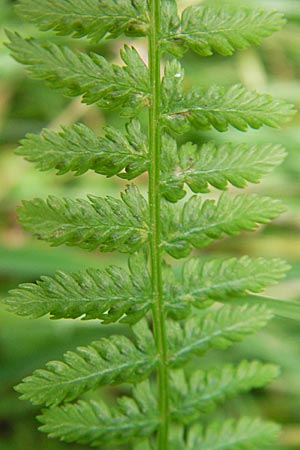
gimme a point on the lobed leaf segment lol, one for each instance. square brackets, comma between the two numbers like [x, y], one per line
[175, 312]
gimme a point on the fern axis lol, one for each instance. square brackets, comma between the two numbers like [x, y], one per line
[154, 127]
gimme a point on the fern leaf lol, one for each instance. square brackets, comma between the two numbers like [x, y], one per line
[170, 20]
[200, 283]
[95, 424]
[289, 309]
[90, 18]
[218, 329]
[220, 108]
[245, 434]
[78, 148]
[111, 360]
[108, 295]
[91, 75]
[208, 30]
[172, 83]
[222, 279]
[205, 389]
[215, 166]
[199, 223]
[107, 223]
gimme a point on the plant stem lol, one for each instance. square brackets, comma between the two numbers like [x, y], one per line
[154, 205]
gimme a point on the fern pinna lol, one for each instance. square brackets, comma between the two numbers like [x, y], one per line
[174, 314]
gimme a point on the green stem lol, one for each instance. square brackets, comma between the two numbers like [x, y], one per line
[155, 239]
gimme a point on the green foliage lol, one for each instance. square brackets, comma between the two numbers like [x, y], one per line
[133, 418]
[197, 223]
[79, 149]
[203, 282]
[214, 165]
[244, 434]
[219, 107]
[81, 18]
[205, 389]
[208, 30]
[107, 223]
[174, 313]
[109, 361]
[91, 76]
[107, 295]
[218, 328]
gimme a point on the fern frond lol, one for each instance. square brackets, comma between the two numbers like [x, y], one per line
[205, 389]
[217, 329]
[221, 279]
[170, 20]
[77, 148]
[107, 223]
[176, 314]
[172, 83]
[208, 30]
[198, 223]
[245, 434]
[91, 76]
[220, 108]
[90, 18]
[109, 295]
[214, 165]
[199, 283]
[111, 360]
[95, 424]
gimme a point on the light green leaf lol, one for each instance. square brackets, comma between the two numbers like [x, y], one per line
[109, 295]
[92, 18]
[95, 424]
[245, 434]
[91, 76]
[290, 309]
[170, 20]
[220, 108]
[219, 328]
[142, 445]
[197, 223]
[112, 360]
[202, 281]
[77, 148]
[205, 389]
[107, 223]
[172, 83]
[214, 165]
[208, 30]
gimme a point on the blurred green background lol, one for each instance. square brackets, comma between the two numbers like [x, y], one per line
[28, 106]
